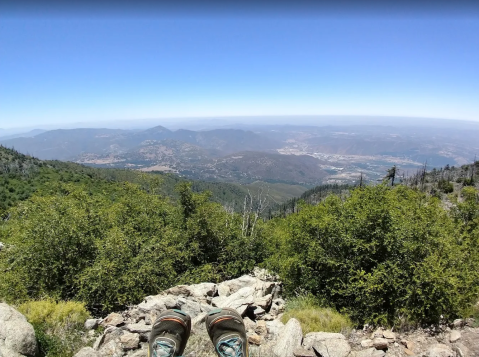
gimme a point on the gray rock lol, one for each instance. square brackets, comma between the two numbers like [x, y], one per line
[458, 323]
[389, 334]
[91, 324]
[235, 285]
[302, 352]
[249, 324]
[114, 319]
[17, 334]
[258, 311]
[139, 353]
[454, 336]
[380, 343]
[277, 307]
[333, 347]
[159, 303]
[223, 290]
[289, 339]
[239, 300]
[461, 350]
[255, 339]
[98, 342]
[203, 290]
[261, 328]
[363, 353]
[111, 349]
[274, 327]
[378, 353]
[192, 308]
[87, 352]
[263, 302]
[199, 319]
[1, 246]
[129, 341]
[367, 343]
[138, 328]
[112, 333]
[439, 350]
[311, 338]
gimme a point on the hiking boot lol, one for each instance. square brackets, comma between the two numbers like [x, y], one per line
[169, 334]
[227, 332]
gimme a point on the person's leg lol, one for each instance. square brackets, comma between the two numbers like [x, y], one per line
[169, 334]
[227, 332]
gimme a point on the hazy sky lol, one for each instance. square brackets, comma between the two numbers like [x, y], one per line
[60, 65]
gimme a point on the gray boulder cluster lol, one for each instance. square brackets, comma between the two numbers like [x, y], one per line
[258, 298]
[17, 337]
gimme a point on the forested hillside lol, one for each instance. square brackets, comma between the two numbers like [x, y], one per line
[22, 175]
[382, 254]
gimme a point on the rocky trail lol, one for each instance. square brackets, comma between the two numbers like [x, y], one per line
[258, 298]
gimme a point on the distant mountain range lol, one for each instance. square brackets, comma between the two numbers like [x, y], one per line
[292, 154]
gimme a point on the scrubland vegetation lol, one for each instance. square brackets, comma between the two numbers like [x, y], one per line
[383, 255]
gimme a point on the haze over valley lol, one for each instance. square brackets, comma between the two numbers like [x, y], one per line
[244, 153]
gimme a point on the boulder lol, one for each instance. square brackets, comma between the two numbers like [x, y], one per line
[461, 350]
[138, 328]
[111, 349]
[389, 335]
[454, 336]
[289, 339]
[363, 353]
[367, 343]
[91, 324]
[16, 333]
[439, 350]
[129, 341]
[458, 323]
[380, 343]
[263, 302]
[113, 319]
[274, 327]
[240, 300]
[261, 328]
[192, 308]
[158, 303]
[255, 339]
[229, 287]
[302, 352]
[277, 307]
[334, 347]
[311, 338]
[87, 352]
[1, 246]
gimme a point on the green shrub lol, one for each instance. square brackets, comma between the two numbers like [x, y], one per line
[382, 255]
[56, 315]
[58, 325]
[314, 318]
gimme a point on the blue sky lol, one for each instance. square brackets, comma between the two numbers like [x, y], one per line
[69, 66]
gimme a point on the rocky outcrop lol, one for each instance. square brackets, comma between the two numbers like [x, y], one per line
[258, 298]
[17, 337]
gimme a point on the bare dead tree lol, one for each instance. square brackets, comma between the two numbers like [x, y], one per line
[253, 207]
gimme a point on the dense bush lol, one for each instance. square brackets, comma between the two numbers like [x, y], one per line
[382, 255]
[113, 248]
[58, 326]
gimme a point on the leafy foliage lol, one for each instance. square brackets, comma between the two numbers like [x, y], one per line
[113, 248]
[381, 255]
[313, 317]
[58, 325]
